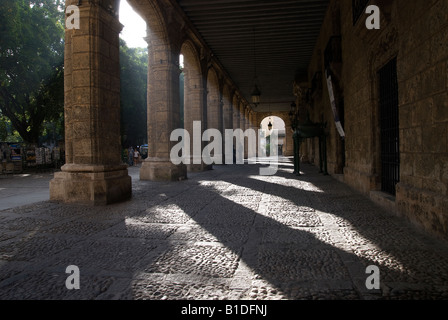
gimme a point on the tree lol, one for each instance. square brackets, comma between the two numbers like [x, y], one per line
[133, 75]
[3, 128]
[31, 64]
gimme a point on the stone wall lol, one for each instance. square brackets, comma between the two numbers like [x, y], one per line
[416, 33]
[423, 82]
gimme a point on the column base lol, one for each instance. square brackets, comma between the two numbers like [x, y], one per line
[197, 165]
[91, 184]
[162, 170]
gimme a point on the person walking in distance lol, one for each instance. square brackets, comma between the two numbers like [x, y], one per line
[136, 156]
[131, 156]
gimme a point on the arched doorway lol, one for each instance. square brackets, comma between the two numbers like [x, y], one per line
[164, 112]
[94, 172]
[193, 100]
[214, 108]
[266, 126]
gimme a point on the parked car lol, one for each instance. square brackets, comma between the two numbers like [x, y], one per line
[144, 151]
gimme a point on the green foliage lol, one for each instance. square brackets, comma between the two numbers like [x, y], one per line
[134, 68]
[31, 64]
[32, 75]
[7, 132]
[3, 128]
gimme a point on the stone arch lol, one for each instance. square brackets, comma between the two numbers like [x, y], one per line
[158, 40]
[194, 109]
[278, 124]
[163, 91]
[214, 105]
[158, 55]
[288, 147]
[193, 85]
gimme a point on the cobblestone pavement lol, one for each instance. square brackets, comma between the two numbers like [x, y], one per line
[223, 234]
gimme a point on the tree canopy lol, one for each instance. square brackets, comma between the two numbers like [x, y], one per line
[32, 74]
[31, 64]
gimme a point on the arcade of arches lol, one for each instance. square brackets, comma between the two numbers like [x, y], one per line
[398, 157]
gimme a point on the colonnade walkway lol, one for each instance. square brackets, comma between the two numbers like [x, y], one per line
[228, 233]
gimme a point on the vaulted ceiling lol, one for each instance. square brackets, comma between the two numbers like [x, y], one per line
[277, 37]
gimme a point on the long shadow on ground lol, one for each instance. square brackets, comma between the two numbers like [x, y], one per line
[223, 234]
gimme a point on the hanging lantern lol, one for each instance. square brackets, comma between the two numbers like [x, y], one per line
[256, 95]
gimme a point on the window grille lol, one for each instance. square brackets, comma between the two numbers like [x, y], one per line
[390, 137]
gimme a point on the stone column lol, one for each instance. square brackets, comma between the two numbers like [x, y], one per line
[246, 127]
[248, 115]
[223, 106]
[236, 114]
[227, 119]
[214, 109]
[253, 125]
[242, 117]
[93, 173]
[194, 111]
[163, 112]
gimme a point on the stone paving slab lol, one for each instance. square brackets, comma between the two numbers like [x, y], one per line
[225, 234]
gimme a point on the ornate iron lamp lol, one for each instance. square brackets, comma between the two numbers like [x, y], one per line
[256, 95]
[293, 116]
[270, 125]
